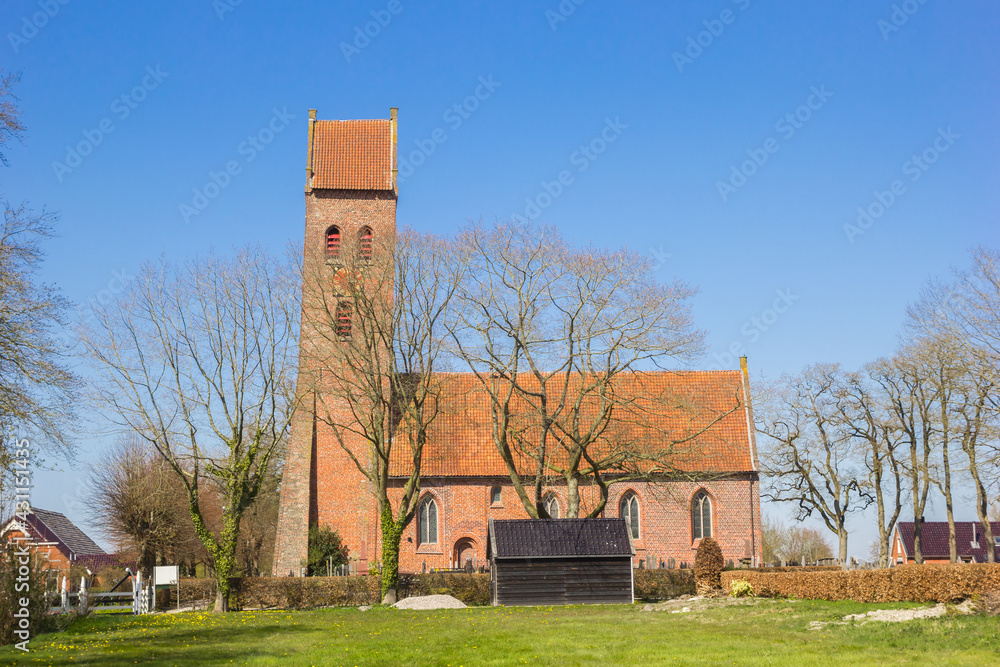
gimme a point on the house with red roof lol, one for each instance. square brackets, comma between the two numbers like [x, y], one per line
[56, 542]
[971, 543]
[709, 488]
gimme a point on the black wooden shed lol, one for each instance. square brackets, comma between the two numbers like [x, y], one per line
[560, 561]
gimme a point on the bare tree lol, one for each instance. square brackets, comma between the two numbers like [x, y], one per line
[964, 316]
[866, 417]
[36, 385]
[811, 457]
[197, 360]
[132, 499]
[375, 348]
[11, 126]
[560, 340]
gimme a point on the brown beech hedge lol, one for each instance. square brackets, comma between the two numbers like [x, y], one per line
[906, 583]
[312, 592]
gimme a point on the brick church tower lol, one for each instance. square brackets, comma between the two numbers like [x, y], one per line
[351, 201]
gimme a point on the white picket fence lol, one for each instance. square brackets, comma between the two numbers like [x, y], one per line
[140, 600]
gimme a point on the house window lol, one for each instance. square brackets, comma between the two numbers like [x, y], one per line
[495, 495]
[333, 242]
[701, 516]
[365, 244]
[428, 522]
[551, 506]
[343, 319]
[628, 509]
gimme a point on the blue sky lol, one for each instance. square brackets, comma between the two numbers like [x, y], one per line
[732, 140]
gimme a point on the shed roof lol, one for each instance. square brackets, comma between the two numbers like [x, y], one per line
[559, 538]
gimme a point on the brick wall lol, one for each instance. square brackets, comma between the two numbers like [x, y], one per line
[464, 509]
[321, 484]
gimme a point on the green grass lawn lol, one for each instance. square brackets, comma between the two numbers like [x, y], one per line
[764, 632]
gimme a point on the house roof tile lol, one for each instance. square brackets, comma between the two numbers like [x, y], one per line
[48, 526]
[934, 539]
[695, 421]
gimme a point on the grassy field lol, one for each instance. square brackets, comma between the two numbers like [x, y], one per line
[763, 632]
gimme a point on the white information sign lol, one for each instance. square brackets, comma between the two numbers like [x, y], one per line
[165, 575]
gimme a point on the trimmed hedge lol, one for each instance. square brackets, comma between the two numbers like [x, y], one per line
[310, 592]
[906, 583]
[663, 584]
[796, 568]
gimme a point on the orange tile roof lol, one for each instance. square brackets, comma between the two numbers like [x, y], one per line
[353, 154]
[705, 406]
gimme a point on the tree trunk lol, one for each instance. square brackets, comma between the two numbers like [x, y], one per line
[572, 497]
[222, 596]
[842, 534]
[982, 503]
[392, 533]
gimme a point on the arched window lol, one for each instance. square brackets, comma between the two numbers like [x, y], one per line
[365, 244]
[428, 522]
[333, 242]
[701, 516]
[343, 319]
[551, 506]
[495, 495]
[628, 509]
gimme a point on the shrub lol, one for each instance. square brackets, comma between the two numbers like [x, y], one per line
[740, 588]
[325, 543]
[906, 583]
[15, 584]
[662, 584]
[708, 564]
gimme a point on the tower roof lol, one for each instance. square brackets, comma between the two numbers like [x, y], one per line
[352, 154]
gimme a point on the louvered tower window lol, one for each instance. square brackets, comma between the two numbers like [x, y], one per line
[333, 242]
[343, 319]
[365, 244]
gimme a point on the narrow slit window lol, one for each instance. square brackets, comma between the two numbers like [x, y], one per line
[552, 507]
[629, 510]
[701, 516]
[428, 522]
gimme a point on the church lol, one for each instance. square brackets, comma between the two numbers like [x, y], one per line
[351, 189]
